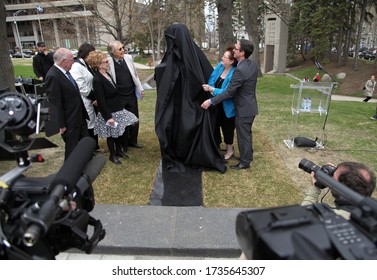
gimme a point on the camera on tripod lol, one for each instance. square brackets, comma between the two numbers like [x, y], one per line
[43, 216]
[311, 232]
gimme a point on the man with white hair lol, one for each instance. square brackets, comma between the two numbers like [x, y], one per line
[67, 111]
[124, 74]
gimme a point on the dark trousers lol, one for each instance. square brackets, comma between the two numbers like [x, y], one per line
[129, 103]
[94, 136]
[226, 126]
[245, 139]
[72, 136]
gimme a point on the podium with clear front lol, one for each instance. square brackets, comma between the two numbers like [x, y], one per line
[310, 106]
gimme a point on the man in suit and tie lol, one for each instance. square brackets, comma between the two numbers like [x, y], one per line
[123, 71]
[67, 112]
[242, 88]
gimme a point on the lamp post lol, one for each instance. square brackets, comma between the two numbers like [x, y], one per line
[40, 10]
[17, 32]
[86, 24]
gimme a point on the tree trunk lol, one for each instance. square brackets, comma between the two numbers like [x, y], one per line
[359, 31]
[224, 9]
[6, 66]
[250, 10]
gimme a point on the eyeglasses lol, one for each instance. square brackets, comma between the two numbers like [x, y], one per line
[71, 59]
[121, 48]
[105, 61]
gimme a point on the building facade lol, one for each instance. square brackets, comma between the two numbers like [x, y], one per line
[69, 23]
[58, 23]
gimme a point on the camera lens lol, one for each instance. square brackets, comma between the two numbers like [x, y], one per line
[308, 166]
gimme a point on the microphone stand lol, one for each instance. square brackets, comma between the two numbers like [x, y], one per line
[319, 66]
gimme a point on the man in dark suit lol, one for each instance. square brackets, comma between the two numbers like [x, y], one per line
[67, 112]
[242, 88]
[124, 74]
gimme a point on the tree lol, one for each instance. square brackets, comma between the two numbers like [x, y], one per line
[157, 16]
[225, 29]
[362, 12]
[116, 17]
[211, 23]
[6, 66]
[251, 15]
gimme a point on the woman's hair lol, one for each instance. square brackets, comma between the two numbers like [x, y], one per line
[95, 58]
[84, 50]
[230, 49]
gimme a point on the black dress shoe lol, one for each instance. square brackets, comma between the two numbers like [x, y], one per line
[114, 159]
[121, 154]
[137, 145]
[240, 166]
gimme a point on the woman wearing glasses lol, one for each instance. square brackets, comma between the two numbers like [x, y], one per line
[217, 83]
[112, 118]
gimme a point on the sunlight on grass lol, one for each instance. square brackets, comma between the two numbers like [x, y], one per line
[274, 178]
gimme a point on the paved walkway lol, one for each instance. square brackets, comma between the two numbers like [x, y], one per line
[142, 66]
[350, 98]
[164, 232]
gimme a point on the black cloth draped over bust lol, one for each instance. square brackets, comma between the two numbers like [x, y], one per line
[184, 129]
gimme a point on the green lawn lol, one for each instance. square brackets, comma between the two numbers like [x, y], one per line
[273, 180]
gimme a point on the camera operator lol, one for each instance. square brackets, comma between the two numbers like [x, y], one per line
[356, 176]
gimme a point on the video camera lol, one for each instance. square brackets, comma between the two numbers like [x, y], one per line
[311, 232]
[43, 216]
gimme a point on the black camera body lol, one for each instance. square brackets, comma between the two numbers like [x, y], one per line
[311, 232]
[309, 167]
[43, 216]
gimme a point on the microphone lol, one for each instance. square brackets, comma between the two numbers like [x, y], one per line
[90, 173]
[39, 218]
[72, 169]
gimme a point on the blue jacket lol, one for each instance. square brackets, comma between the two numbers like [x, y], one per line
[228, 104]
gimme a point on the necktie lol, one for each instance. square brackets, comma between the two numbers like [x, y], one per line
[71, 79]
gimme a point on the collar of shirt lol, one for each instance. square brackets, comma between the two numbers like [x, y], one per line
[119, 60]
[61, 69]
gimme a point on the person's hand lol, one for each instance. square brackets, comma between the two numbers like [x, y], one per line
[62, 130]
[40, 78]
[206, 87]
[313, 178]
[206, 104]
[142, 94]
[94, 103]
[111, 122]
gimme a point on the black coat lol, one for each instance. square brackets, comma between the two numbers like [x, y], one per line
[184, 129]
[66, 105]
[107, 96]
[42, 63]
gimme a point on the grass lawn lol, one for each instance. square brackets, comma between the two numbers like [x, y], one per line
[273, 180]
